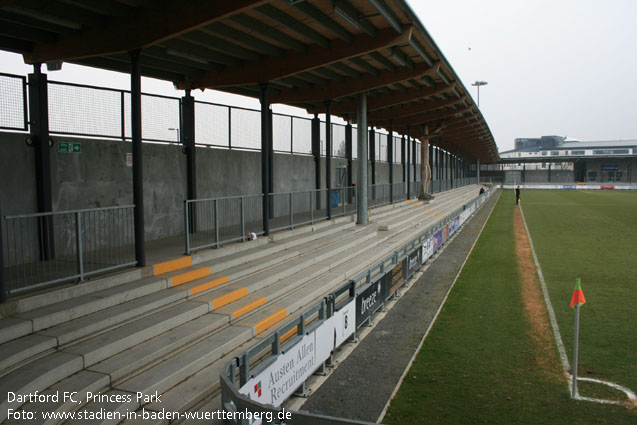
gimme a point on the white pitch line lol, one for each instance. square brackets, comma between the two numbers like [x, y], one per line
[558, 337]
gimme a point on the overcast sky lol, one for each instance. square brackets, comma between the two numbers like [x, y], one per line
[564, 67]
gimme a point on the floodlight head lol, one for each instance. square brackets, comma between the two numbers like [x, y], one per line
[479, 83]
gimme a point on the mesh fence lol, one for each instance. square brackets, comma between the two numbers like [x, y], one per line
[338, 140]
[13, 102]
[301, 135]
[84, 110]
[245, 129]
[282, 133]
[212, 124]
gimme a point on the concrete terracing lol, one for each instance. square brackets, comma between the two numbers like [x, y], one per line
[171, 327]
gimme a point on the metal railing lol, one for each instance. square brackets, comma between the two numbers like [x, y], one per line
[214, 221]
[378, 195]
[46, 248]
[257, 358]
[210, 223]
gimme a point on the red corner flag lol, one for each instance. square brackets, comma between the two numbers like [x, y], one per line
[578, 294]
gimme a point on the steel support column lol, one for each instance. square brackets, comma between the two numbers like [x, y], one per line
[316, 152]
[187, 135]
[390, 160]
[549, 172]
[39, 116]
[478, 170]
[431, 167]
[349, 157]
[402, 157]
[328, 157]
[361, 144]
[138, 166]
[408, 159]
[266, 146]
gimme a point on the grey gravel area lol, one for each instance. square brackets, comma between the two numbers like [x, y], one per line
[361, 385]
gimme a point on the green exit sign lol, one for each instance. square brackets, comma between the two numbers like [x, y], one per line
[68, 147]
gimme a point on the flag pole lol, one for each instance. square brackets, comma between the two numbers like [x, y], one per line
[575, 351]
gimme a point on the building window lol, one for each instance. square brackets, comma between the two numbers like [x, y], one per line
[578, 152]
[555, 153]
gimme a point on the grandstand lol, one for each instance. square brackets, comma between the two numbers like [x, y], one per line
[157, 253]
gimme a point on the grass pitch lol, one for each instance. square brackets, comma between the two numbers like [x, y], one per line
[480, 362]
[591, 235]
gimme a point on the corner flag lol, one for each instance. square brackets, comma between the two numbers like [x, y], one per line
[578, 294]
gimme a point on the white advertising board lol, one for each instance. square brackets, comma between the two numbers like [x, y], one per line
[279, 380]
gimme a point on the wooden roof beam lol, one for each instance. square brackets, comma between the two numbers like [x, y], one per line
[385, 101]
[406, 111]
[351, 86]
[272, 69]
[428, 117]
[143, 28]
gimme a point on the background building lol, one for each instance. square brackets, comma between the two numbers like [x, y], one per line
[557, 159]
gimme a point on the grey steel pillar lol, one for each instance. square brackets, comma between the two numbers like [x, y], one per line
[316, 152]
[39, 116]
[549, 172]
[372, 152]
[390, 160]
[478, 170]
[328, 157]
[361, 144]
[265, 156]
[187, 135]
[402, 157]
[408, 159]
[138, 175]
[349, 157]
[431, 168]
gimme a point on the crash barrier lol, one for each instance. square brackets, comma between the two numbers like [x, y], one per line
[255, 384]
[46, 248]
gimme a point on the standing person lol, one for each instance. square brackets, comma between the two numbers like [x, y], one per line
[517, 195]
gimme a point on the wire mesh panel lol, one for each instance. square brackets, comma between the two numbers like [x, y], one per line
[160, 118]
[338, 140]
[245, 128]
[282, 133]
[13, 114]
[212, 124]
[398, 150]
[382, 146]
[84, 110]
[354, 142]
[53, 247]
[301, 135]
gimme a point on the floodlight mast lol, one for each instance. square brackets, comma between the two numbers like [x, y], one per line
[478, 84]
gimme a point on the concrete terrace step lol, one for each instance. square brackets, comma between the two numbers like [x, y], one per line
[19, 350]
[233, 301]
[55, 314]
[177, 368]
[96, 322]
[139, 357]
[13, 327]
[109, 343]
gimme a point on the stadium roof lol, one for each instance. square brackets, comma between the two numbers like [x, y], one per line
[308, 51]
